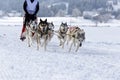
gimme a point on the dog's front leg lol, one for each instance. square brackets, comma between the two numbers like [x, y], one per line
[28, 39]
[60, 43]
[77, 48]
[28, 42]
[78, 45]
[74, 41]
[71, 44]
[38, 41]
[59, 37]
[63, 42]
[45, 42]
[68, 38]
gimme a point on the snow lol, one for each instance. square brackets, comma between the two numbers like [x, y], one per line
[97, 59]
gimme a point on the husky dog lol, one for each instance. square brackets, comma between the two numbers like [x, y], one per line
[51, 26]
[30, 30]
[43, 32]
[76, 36]
[62, 33]
[51, 29]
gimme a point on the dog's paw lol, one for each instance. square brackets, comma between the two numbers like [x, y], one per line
[22, 38]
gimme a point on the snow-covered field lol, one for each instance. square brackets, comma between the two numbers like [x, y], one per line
[97, 59]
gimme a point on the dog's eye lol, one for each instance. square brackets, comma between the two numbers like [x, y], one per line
[42, 24]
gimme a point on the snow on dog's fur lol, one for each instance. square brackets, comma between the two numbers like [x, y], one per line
[76, 36]
[43, 32]
[62, 33]
[30, 30]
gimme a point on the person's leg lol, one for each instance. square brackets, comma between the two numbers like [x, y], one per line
[23, 29]
[36, 19]
[22, 37]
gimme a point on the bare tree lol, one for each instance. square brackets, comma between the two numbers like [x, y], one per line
[76, 12]
[61, 13]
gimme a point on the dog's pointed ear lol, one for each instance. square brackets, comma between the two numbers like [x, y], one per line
[40, 20]
[66, 23]
[45, 20]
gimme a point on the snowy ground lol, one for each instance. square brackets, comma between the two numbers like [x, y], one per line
[97, 59]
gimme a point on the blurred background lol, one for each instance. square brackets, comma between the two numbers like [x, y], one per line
[101, 10]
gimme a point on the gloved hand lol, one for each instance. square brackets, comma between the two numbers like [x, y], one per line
[34, 15]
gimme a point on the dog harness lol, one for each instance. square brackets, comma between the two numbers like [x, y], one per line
[31, 6]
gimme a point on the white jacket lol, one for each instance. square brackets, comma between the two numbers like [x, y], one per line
[31, 6]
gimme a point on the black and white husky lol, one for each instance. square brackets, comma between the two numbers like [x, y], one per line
[76, 36]
[44, 33]
[61, 33]
[30, 30]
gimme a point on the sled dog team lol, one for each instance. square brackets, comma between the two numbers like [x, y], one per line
[43, 32]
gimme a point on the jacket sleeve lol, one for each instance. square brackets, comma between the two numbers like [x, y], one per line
[25, 7]
[37, 8]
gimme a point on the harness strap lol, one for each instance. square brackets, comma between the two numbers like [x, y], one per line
[62, 34]
[43, 33]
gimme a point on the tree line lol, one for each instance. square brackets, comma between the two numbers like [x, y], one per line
[48, 9]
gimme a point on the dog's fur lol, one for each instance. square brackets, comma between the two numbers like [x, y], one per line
[43, 32]
[76, 36]
[30, 30]
[62, 33]
[51, 26]
[51, 29]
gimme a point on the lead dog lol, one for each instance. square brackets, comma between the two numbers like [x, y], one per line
[43, 32]
[76, 36]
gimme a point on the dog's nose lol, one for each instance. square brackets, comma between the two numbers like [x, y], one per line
[33, 27]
